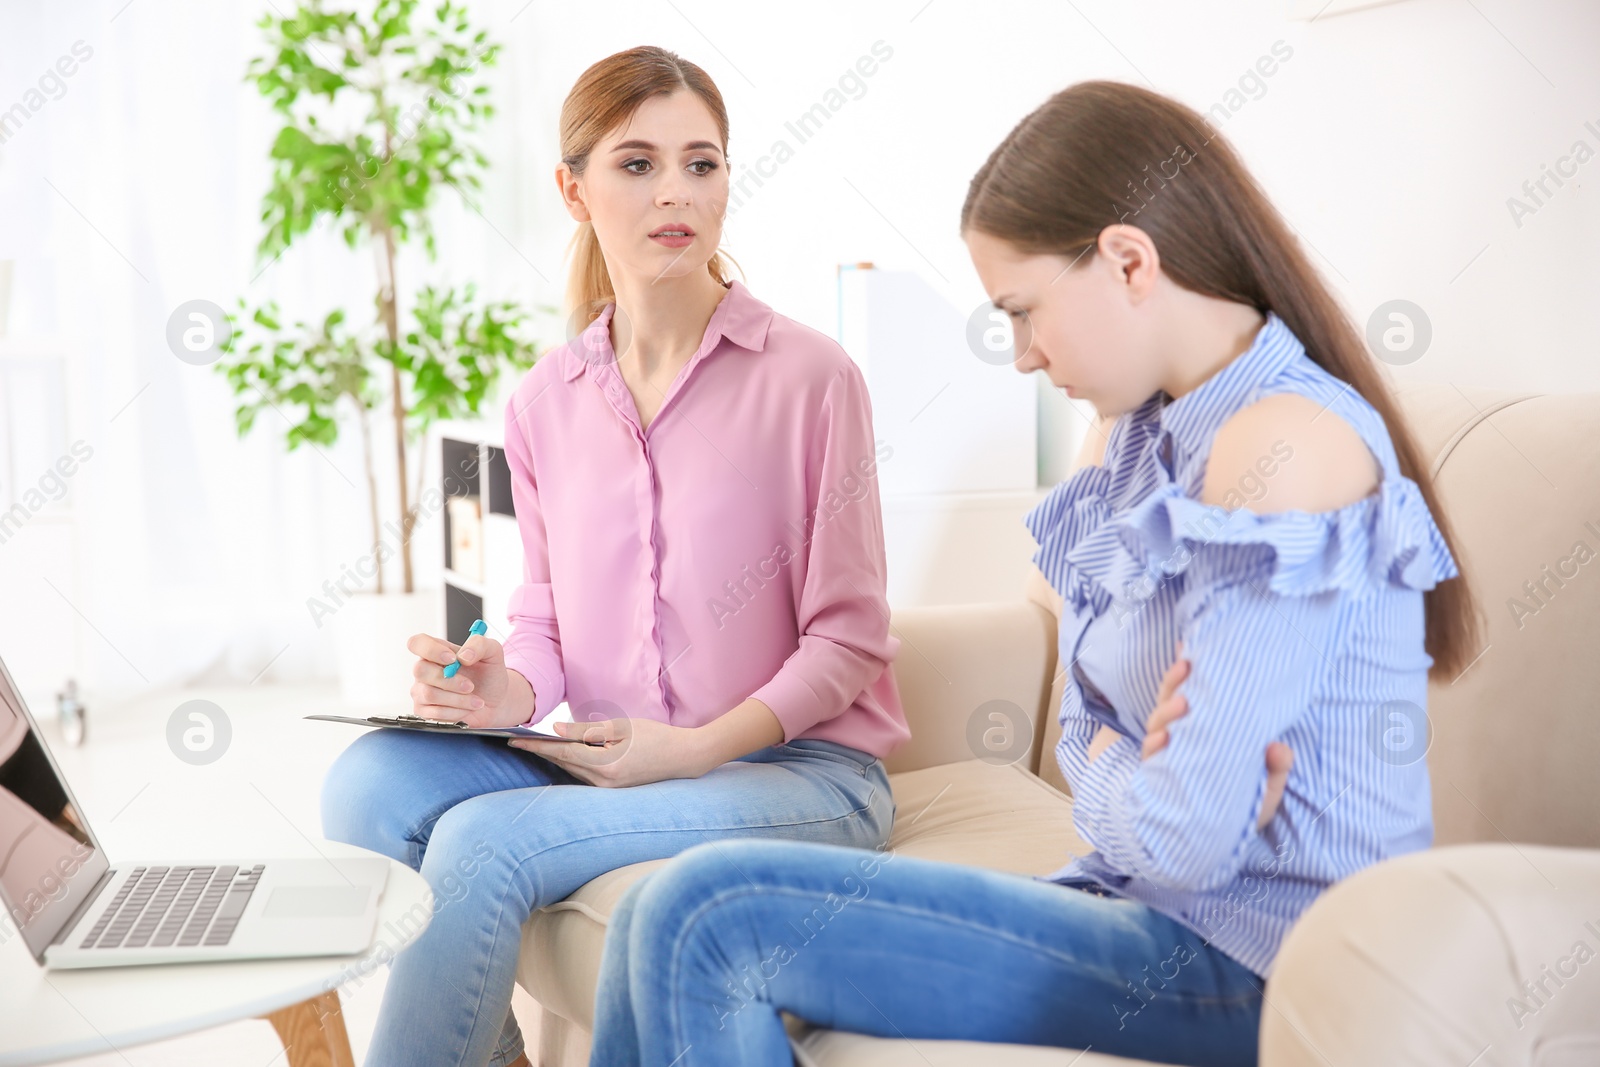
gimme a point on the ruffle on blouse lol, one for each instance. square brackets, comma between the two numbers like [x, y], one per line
[1071, 511]
[1386, 538]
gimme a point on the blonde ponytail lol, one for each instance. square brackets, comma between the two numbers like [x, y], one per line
[588, 282]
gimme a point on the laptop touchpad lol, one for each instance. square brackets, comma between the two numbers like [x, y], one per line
[316, 901]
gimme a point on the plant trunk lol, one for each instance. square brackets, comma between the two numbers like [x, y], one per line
[390, 304]
[372, 489]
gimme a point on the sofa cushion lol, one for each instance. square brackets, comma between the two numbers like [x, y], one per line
[1000, 817]
[957, 664]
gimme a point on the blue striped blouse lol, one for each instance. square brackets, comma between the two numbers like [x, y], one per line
[1300, 627]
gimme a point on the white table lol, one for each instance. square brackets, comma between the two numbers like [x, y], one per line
[56, 1015]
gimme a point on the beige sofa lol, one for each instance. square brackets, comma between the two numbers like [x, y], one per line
[1420, 960]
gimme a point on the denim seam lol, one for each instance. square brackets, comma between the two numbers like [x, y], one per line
[521, 1042]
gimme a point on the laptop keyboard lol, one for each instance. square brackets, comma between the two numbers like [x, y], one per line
[161, 907]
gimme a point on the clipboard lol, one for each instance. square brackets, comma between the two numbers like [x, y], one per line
[443, 726]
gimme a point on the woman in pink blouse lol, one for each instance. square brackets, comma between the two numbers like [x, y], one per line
[695, 481]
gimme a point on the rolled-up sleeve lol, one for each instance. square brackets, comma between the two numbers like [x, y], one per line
[843, 610]
[533, 648]
[1185, 817]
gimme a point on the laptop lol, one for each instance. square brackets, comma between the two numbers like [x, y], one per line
[75, 908]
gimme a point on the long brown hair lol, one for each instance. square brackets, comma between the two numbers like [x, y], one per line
[1101, 152]
[605, 96]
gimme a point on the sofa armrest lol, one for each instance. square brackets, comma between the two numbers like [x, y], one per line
[954, 659]
[1486, 954]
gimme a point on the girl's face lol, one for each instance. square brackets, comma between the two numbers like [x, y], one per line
[1084, 322]
[661, 171]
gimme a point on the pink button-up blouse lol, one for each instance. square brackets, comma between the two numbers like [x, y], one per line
[731, 549]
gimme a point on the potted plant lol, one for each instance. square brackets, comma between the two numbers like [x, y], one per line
[377, 110]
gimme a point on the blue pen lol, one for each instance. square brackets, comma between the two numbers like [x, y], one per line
[480, 628]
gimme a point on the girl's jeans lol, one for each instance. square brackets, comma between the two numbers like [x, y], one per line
[499, 832]
[702, 955]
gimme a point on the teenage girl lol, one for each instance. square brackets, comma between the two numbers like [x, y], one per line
[1257, 582]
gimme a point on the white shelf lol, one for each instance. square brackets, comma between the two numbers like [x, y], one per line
[465, 584]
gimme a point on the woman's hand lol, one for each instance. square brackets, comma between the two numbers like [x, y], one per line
[622, 752]
[484, 693]
[1171, 704]
[640, 751]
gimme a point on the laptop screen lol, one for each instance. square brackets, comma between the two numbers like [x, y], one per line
[48, 858]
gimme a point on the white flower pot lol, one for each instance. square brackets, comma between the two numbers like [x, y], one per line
[371, 632]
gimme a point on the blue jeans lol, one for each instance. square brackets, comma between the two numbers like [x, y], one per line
[702, 955]
[499, 832]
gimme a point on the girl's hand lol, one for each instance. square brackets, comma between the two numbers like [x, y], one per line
[477, 695]
[623, 752]
[1280, 757]
[1171, 704]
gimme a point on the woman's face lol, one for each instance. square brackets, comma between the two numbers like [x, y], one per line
[1078, 320]
[662, 170]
